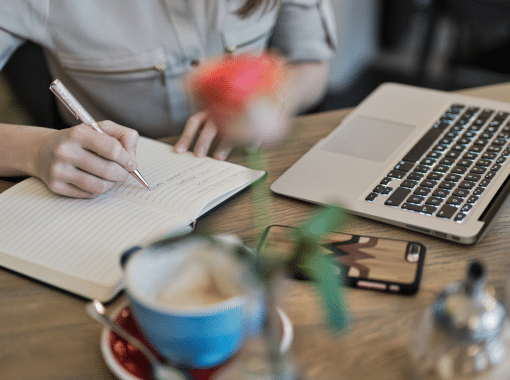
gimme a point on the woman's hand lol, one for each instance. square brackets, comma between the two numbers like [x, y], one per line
[200, 127]
[80, 162]
[261, 124]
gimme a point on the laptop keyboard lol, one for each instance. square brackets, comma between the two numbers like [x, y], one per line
[448, 170]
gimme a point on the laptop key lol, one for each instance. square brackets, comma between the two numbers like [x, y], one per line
[426, 209]
[446, 211]
[421, 191]
[436, 176]
[463, 193]
[459, 170]
[441, 168]
[478, 191]
[397, 197]
[446, 185]
[415, 199]
[483, 162]
[495, 167]
[472, 177]
[447, 161]
[459, 217]
[396, 174]
[454, 201]
[466, 208]
[404, 166]
[428, 183]
[485, 182]
[428, 161]
[415, 176]
[468, 185]
[370, 197]
[489, 155]
[475, 148]
[494, 149]
[452, 177]
[470, 156]
[441, 193]
[422, 169]
[477, 169]
[408, 183]
[434, 201]
[472, 199]
[422, 146]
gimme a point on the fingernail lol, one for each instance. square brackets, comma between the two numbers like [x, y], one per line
[200, 151]
[179, 148]
[221, 155]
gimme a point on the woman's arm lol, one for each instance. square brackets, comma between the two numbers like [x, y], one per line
[306, 86]
[76, 162]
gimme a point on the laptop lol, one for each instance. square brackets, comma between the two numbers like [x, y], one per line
[426, 160]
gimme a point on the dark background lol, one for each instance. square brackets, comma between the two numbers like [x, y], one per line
[446, 45]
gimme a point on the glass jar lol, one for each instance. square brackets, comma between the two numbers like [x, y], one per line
[464, 334]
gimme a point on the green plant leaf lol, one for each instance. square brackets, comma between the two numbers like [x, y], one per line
[309, 260]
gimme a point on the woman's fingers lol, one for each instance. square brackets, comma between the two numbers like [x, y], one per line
[201, 128]
[127, 137]
[205, 139]
[80, 162]
[190, 132]
[79, 184]
[223, 150]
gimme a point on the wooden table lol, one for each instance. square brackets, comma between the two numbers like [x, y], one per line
[46, 334]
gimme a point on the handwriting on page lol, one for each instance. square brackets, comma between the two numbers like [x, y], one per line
[181, 183]
[78, 235]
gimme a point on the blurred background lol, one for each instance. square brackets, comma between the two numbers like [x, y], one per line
[446, 44]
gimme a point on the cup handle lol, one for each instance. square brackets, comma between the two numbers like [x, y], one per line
[124, 257]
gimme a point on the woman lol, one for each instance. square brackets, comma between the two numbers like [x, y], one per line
[126, 60]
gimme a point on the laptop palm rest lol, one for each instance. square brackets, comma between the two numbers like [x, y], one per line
[368, 138]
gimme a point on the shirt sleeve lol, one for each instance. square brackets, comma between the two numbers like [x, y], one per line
[305, 30]
[8, 44]
[21, 20]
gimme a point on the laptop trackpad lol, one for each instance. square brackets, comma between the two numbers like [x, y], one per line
[368, 138]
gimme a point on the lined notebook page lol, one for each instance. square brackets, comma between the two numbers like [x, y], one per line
[83, 238]
[181, 183]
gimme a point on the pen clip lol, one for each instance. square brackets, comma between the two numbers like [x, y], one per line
[52, 89]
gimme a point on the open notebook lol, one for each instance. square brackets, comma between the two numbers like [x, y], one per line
[431, 161]
[75, 244]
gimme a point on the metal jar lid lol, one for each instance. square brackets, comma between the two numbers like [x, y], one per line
[467, 311]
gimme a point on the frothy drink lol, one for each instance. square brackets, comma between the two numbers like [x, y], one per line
[202, 279]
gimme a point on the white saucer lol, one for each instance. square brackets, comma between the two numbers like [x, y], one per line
[129, 369]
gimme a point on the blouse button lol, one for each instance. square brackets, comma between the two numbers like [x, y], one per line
[195, 62]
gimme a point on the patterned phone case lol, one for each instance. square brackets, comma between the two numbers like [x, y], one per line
[363, 261]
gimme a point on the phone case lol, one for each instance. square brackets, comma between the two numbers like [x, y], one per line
[368, 262]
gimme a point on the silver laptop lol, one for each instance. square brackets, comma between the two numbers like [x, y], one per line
[427, 160]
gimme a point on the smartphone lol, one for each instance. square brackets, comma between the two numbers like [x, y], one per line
[367, 262]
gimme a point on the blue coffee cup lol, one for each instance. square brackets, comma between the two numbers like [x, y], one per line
[195, 335]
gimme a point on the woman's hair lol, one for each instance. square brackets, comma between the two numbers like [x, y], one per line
[251, 6]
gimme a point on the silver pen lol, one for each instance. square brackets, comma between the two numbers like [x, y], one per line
[76, 109]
